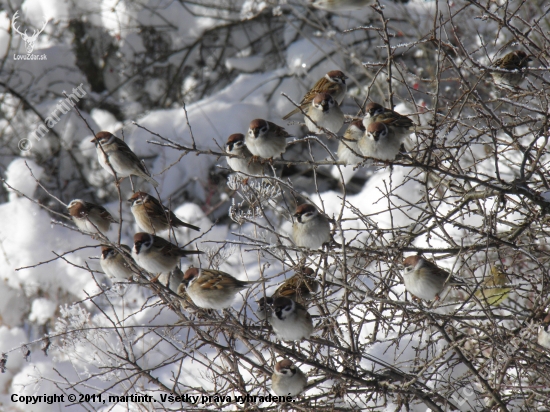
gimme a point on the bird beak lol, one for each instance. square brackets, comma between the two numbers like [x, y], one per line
[376, 137]
[256, 133]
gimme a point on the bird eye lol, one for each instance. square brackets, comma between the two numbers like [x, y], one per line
[264, 129]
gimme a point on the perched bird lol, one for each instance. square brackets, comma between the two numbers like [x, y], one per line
[333, 83]
[544, 332]
[424, 279]
[515, 62]
[212, 289]
[90, 217]
[244, 163]
[266, 139]
[299, 287]
[287, 379]
[157, 255]
[311, 229]
[492, 292]
[114, 264]
[114, 151]
[402, 126]
[290, 320]
[340, 5]
[324, 112]
[152, 217]
[379, 142]
[349, 144]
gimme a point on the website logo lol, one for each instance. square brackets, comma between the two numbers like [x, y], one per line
[29, 40]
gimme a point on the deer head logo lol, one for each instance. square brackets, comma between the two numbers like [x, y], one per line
[29, 40]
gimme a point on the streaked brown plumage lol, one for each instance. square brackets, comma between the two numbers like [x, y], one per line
[516, 60]
[333, 83]
[299, 287]
[120, 157]
[157, 255]
[152, 217]
[90, 217]
[212, 289]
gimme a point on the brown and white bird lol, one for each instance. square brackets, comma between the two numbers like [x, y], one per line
[90, 217]
[266, 139]
[324, 112]
[333, 83]
[299, 287]
[244, 163]
[424, 279]
[402, 126]
[212, 289]
[152, 217]
[340, 5]
[310, 229]
[114, 151]
[288, 379]
[290, 320]
[157, 255]
[379, 142]
[114, 264]
[350, 144]
[543, 338]
[515, 62]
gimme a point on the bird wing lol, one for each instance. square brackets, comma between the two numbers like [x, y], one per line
[391, 118]
[279, 131]
[216, 279]
[102, 212]
[125, 150]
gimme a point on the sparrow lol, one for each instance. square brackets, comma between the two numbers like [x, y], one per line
[349, 144]
[514, 61]
[212, 289]
[401, 125]
[379, 142]
[122, 159]
[266, 139]
[300, 286]
[287, 379]
[324, 112]
[290, 320]
[152, 217]
[114, 264]
[244, 163]
[491, 291]
[424, 279]
[157, 255]
[340, 5]
[333, 83]
[311, 229]
[90, 217]
[544, 333]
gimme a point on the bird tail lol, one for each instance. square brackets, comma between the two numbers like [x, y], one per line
[292, 113]
[151, 180]
[192, 252]
[416, 128]
[179, 223]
